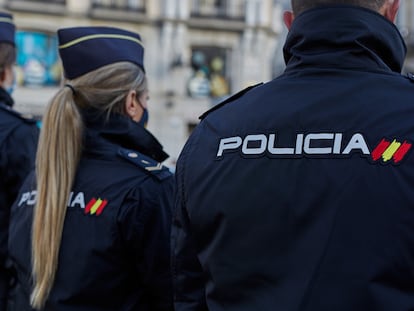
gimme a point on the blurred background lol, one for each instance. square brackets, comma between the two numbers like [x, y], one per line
[197, 52]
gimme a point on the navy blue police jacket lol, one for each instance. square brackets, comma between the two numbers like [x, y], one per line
[115, 248]
[18, 142]
[299, 193]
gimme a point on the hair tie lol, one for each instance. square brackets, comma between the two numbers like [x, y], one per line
[71, 88]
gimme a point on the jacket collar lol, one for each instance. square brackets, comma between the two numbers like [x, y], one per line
[5, 98]
[108, 134]
[344, 37]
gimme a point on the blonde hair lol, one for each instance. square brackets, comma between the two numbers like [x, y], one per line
[58, 155]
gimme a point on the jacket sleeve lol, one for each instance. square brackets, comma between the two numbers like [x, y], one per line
[22, 154]
[20, 149]
[146, 228]
[188, 279]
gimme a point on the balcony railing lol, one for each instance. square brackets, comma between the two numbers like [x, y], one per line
[218, 9]
[120, 5]
[41, 1]
[45, 6]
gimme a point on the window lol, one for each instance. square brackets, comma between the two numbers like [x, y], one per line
[138, 5]
[47, 1]
[208, 7]
[209, 77]
[233, 9]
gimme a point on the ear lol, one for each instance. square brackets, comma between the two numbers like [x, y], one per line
[288, 18]
[3, 75]
[390, 9]
[130, 104]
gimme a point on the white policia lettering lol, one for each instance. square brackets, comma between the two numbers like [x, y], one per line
[28, 197]
[303, 144]
[74, 200]
[78, 200]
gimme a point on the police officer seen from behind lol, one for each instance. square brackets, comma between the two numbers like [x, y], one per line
[298, 194]
[101, 210]
[18, 140]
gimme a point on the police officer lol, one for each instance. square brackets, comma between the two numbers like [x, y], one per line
[100, 201]
[298, 194]
[18, 140]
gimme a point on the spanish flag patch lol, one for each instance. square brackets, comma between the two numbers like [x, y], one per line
[95, 206]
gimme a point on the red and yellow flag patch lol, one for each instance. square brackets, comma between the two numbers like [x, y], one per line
[95, 206]
[394, 150]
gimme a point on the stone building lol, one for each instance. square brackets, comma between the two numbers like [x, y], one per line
[198, 52]
[405, 22]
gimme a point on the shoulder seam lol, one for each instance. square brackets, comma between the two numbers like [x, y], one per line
[230, 99]
[18, 115]
[149, 165]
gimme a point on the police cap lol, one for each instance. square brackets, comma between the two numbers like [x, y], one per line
[7, 28]
[84, 49]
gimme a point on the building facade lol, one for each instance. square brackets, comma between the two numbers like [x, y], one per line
[197, 52]
[405, 22]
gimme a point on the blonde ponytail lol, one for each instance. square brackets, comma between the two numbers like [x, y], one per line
[57, 158]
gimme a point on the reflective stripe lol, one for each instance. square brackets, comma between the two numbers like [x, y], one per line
[98, 36]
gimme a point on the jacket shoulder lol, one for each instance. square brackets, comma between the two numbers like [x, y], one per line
[229, 100]
[149, 165]
[410, 76]
[17, 116]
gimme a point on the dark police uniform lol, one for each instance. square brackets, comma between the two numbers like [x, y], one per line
[298, 194]
[18, 141]
[114, 253]
[115, 248]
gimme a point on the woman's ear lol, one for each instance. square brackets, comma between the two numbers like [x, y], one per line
[130, 104]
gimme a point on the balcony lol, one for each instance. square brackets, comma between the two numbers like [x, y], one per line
[122, 10]
[218, 9]
[120, 5]
[216, 14]
[55, 7]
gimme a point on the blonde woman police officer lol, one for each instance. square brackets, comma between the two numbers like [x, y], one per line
[90, 230]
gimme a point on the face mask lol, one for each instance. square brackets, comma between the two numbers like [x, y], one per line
[144, 118]
[11, 88]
